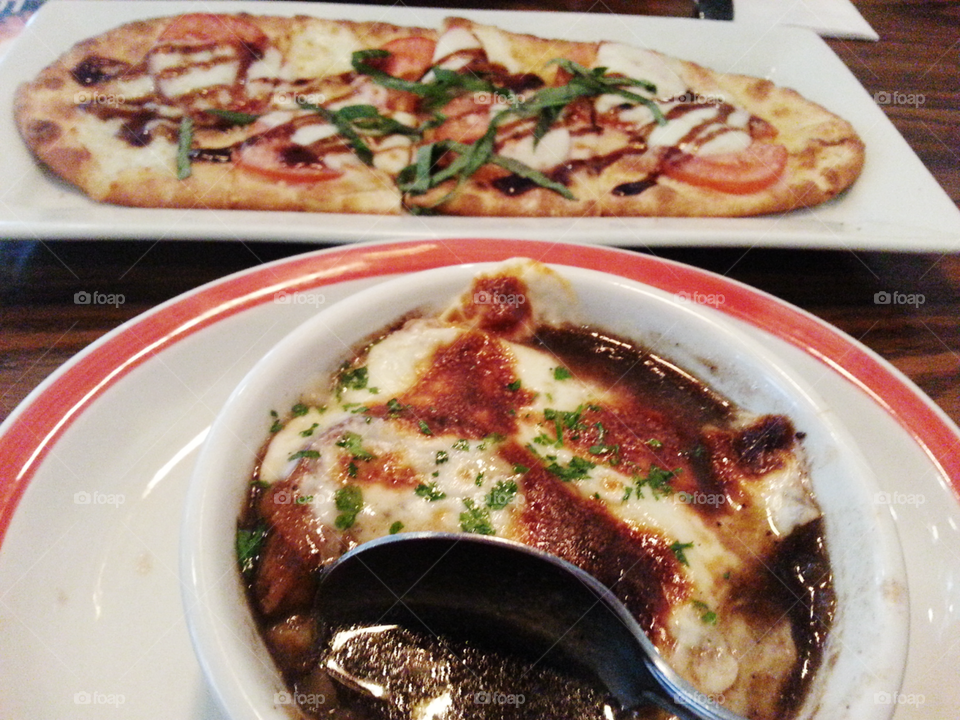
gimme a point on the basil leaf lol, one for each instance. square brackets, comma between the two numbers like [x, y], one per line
[233, 117]
[184, 143]
[344, 127]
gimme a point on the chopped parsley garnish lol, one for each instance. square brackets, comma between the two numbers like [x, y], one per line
[658, 480]
[679, 551]
[349, 502]
[309, 431]
[576, 469]
[707, 616]
[430, 493]
[395, 407]
[561, 373]
[654, 444]
[424, 428]
[514, 386]
[569, 419]
[248, 545]
[184, 143]
[353, 443]
[312, 454]
[478, 481]
[475, 519]
[503, 494]
[462, 444]
[352, 378]
[395, 527]
[277, 424]
[519, 469]
[602, 448]
[299, 410]
[442, 457]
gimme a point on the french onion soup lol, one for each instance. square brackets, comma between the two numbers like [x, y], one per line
[502, 415]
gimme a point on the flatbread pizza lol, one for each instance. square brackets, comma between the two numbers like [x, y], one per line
[299, 113]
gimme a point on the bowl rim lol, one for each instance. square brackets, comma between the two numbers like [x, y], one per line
[217, 643]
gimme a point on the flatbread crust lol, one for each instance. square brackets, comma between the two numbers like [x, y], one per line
[89, 150]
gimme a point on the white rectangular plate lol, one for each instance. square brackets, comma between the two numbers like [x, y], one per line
[895, 205]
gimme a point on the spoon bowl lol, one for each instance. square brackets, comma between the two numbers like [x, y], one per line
[508, 597]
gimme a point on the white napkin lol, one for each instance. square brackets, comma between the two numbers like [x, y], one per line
[831, 18]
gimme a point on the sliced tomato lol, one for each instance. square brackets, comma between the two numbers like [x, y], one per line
[468, 118]
[410, 57]
[208, 28]
[748, 171]
[274, 157]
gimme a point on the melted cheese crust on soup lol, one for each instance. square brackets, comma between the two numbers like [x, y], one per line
[499, 416]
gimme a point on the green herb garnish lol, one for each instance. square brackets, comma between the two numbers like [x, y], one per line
[351, 378]
[679, 551]
[249, 543]
[561, 373]
[184, 143]
[430, 493]
[475, 519]
[576, 469]
[502, 494]
[313, 454]
[395, 527]
[349, 501]
[353, 443]
[232, 117]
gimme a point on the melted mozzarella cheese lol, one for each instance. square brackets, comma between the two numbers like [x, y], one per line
[679, 128]
[454, 41]
[727, 141]
[552, 150]
[309, 134]
[199, 78]
[640, 64]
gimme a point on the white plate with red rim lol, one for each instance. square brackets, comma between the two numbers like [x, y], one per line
[896, 204]
[96, 461]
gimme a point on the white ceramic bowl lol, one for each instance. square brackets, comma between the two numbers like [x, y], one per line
[866, 651]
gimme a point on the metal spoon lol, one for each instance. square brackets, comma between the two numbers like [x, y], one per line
[507, 596]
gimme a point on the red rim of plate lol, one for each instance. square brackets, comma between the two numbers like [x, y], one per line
[33, 429]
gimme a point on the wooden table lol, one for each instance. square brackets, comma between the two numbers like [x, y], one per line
[41, 327]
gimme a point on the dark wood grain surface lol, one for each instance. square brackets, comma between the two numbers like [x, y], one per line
[41, 326]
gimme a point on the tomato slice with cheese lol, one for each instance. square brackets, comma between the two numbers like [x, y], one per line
[210, 29]
[410, 57]
[756, 168]
[274, 157]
